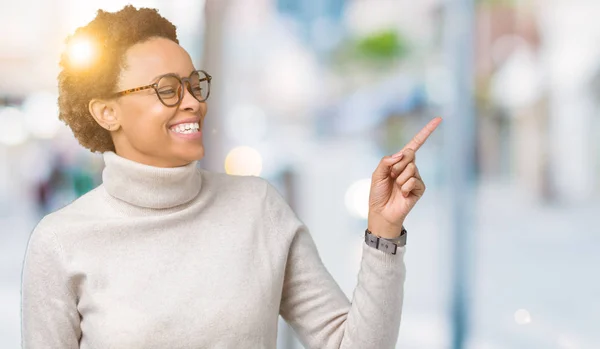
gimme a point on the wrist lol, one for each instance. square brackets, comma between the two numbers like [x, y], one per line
[385, 230]
[387, 245]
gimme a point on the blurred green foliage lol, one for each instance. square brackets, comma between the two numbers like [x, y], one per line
[376, 49]
[383, 45]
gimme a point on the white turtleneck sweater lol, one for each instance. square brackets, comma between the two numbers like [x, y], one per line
[186, 258]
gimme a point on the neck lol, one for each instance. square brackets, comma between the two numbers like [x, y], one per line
[150, 186]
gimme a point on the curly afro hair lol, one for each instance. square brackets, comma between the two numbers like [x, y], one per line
[110, 34]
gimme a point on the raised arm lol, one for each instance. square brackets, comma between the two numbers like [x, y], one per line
[315, 306]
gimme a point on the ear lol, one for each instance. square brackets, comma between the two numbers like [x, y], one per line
[104, 113]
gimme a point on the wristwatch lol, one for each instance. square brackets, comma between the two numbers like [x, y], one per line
[383, 244]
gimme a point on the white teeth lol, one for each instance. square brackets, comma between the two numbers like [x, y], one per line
[186, 128]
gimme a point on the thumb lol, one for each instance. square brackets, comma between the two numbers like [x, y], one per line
[384, 169]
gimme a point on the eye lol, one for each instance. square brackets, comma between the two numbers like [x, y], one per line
[167, 92]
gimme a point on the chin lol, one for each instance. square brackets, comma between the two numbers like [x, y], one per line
[197, 153]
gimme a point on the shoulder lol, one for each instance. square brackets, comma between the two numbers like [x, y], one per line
[228, 186]
[82, 207]
[255, 196]
[244, 191]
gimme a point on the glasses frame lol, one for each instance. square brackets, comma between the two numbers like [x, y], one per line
[182, 81]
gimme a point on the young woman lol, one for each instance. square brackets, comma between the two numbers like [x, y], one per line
[166, 255]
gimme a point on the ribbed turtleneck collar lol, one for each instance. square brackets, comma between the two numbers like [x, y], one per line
[148, 186]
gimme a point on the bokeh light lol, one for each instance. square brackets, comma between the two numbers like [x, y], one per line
[12, 130]
[40, 115]
[243, 161]
[522, 317]
[357, 198]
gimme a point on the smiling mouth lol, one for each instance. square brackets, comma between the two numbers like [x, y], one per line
[188, 128]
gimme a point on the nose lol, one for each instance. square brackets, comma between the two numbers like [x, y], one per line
[188, 101]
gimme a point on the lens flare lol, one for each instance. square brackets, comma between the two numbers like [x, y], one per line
[81, 52]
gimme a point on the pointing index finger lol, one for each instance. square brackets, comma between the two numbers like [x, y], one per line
[420, 138]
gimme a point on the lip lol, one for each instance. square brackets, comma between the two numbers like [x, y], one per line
[194, 135]
[186, 121]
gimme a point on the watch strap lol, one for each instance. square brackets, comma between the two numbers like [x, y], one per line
[386, 245]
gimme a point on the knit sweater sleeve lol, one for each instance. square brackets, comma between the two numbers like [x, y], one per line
[49, 316]
[314, 304]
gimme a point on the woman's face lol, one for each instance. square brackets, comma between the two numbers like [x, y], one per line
[145, 133]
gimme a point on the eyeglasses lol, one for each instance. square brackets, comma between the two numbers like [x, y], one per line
[170, 87]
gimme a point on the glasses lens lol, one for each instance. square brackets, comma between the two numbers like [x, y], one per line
[199, 85]
[169, 90]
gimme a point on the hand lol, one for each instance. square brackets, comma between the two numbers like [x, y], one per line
[396, 186]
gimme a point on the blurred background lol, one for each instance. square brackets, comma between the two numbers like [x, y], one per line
[503, 248]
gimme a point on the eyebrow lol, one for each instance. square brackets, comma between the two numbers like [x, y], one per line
[161, 75]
